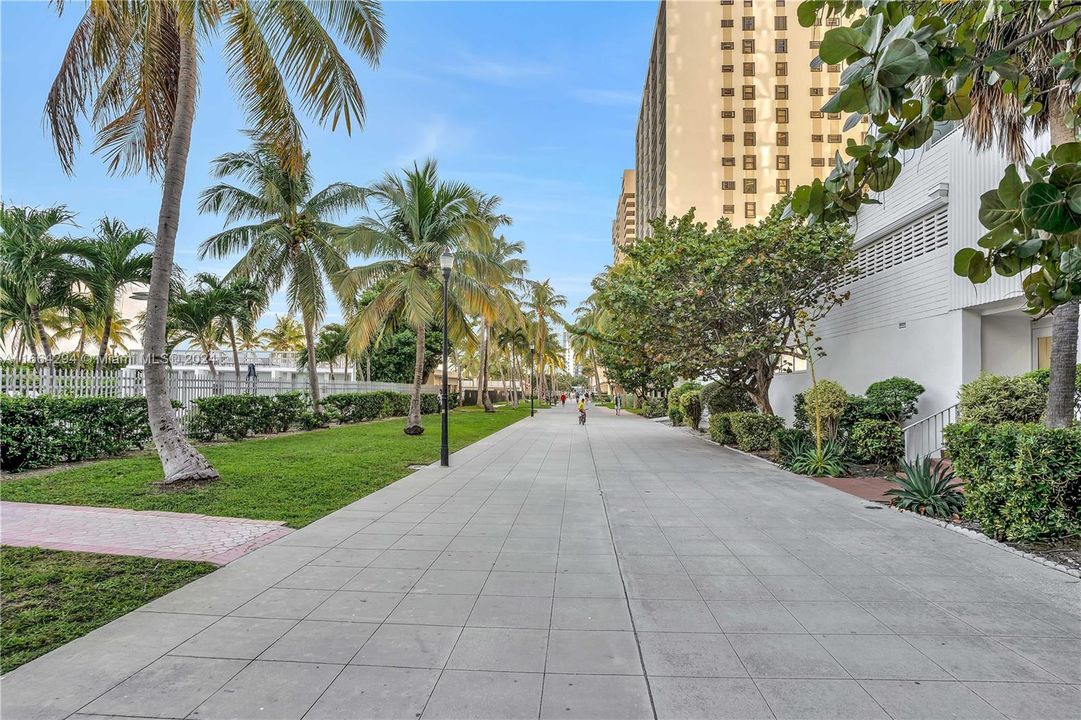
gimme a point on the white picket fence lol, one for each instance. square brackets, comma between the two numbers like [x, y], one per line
[183, 389]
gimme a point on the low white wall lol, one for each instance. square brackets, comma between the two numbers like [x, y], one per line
[928, 351]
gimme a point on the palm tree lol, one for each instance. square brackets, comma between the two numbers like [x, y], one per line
[40, 268]
[242, 301]
[584, 335]
[286, 335]
[543, 302]
[419, 217]
[292, 241]
[132, 68]
[57, 303]
[998, 117]
[113, 263]
[507, 273]
[195, 317]
[332, 343]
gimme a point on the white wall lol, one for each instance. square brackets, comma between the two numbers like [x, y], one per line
[1006, 344]
[922, 351]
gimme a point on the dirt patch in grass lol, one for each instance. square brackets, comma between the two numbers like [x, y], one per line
[51, 597]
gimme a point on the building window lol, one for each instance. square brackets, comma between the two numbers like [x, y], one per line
[748, 22]
[816, 138]
[816, 92]
[728, 185]
[780, 45]
[835, 138]
[750, 186]
[728, 92]
[749, 210]
[835, 68]
[748, 115]
[749, 139]
[726, 2]
[782, 92]
[726, 114]
[748, 92]
[833, 22]
[782, 162]
[816, 67]
[834, 90]
[782, 139]
[728, 162]
[728, 46]
[815, 44]
[818, 162]
[781, 69]
[727, 68]
[780, 23]
[749, 162]
[728, 137]
[816, 114]
[833, 116]
[782, 186]
[782, 116]
[729, 209]
[726, 23]
[780, 3]
[748, 47]
[748, 69]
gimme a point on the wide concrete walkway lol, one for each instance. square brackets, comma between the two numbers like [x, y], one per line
[620, 570]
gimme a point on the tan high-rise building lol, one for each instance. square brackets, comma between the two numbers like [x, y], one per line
[623, 227]
[730, 116]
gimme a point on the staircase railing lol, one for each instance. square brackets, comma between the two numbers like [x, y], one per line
[924, 436]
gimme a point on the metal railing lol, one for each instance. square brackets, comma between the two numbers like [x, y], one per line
[924, 436]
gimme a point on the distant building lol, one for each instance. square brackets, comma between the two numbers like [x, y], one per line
[623, 226]
[730, 119]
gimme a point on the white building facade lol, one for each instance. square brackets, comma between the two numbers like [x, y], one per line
[909, 314]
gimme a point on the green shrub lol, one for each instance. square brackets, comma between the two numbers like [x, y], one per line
[675, 397]
[879, 442]
[827, 460]
[991, 399]
[310, 420]
[787, 443]
[722, 398]
[753, 431]
[720, 429]
[691, 404]
[46, 430]
[827, 401]
[895, 399]
[654, 407]
[365, 406]
[1043, 379]
[1023, 481]
[237, 416]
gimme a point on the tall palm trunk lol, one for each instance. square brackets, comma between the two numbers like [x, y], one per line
[413, 426]
[482, 382]
[232, 344]
[313, 376]
[103, 349]
[43, 337]
[1062, 392]
[179, 460]
[33, 350]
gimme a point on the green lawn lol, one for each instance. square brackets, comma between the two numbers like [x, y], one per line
[51, 597]
[296, 478]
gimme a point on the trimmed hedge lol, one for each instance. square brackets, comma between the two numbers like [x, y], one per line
[754, 431]
[691, 404]
[675, 398]
[1023, 481]
[992, 399]
[878, 442]
[896, 399]
[43, 431]
[720, 429]
[721, 398]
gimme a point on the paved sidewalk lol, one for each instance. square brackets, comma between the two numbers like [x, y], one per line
[621, 570]
[172, 536]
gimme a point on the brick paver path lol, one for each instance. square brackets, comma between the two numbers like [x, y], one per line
[173, 536]
[619, 570]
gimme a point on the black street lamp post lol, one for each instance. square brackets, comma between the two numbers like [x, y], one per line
[446, 263]
[532, 376]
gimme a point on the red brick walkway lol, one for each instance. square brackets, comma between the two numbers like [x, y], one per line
[172, 536]
[868, 488]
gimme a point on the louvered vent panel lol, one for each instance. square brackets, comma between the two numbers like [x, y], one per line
[910, 242]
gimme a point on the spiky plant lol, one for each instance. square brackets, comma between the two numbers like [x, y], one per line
[927, 488]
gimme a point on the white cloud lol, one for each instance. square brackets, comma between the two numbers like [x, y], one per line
[435, 138]
[497, 71]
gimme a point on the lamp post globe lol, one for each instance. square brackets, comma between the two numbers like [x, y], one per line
[446, 264]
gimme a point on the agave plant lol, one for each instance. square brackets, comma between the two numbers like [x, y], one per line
[927, 488]
[824, 461]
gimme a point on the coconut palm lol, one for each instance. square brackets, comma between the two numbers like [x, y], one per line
[114, 261]
[132, 68]
[286, 335]
[507, 274]
[40, 268]
[291, 242]
[331, 344]
[584, 334]
[419, 216]
[544, 303]
[998, 118]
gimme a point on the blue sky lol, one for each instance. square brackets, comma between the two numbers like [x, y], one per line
[535, 102]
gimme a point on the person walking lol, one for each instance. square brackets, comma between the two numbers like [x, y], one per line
[563, 399]
[618, 403]
[582, 411]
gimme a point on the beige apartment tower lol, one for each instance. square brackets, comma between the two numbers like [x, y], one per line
[730, 118]
[623, 227]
